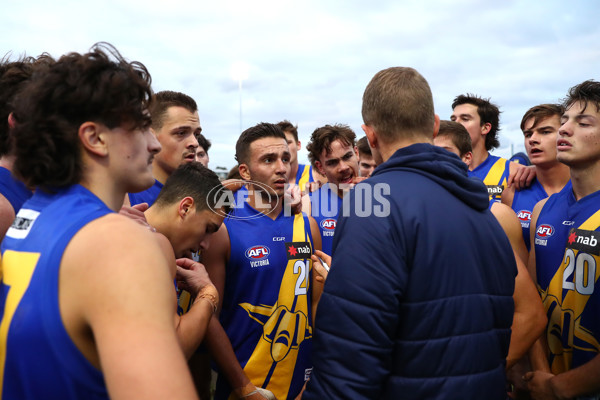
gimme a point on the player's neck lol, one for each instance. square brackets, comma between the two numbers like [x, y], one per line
[585, 180]
[271, 206]
[293, 171]
[159, 174]
[552, 177]
[105, 190]
[480, 154]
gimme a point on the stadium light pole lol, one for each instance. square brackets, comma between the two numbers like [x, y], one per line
[239, 72]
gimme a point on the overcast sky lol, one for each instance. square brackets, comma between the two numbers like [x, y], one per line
[310, 61]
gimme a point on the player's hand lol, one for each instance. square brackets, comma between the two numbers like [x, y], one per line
[136, 213]
[539, 385]
[321, 271]
[251, 392]
[192, 276]
[520, 176]
[233, 184]
[292, 199]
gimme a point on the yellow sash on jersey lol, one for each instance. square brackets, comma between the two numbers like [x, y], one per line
[304, 178]
[287, 326]
[494, 176]
[565, 318]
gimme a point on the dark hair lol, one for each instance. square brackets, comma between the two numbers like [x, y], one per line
[252, 134]
[363, 146]
[322, 138]
[194, 180]
[586, 92]
[99, 86]
[488, 113]
[540, 112]
[458, 134]
[398, 103]
[13, 75]
[203, 141]
[286, 126]
[166, 99]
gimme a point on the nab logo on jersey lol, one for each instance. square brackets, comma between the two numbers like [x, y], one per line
[494, 190]
[328, 224]
[545, 231]
[257, 252]
[584, 240]
[524, 215]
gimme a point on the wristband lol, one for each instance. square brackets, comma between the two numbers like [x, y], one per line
[211, 298]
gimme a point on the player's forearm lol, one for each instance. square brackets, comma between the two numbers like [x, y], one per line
[222, 353]
[192, 326]
[527, 327]
[538, 357]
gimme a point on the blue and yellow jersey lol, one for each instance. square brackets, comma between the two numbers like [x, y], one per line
[14, 190]
[266, 303]
[567, 249]
[523, 202]
[494, 173]
[304, 176]
[38, 359]
[146, 196]
[325, 206]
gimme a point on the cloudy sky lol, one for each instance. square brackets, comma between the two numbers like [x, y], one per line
[309, 61]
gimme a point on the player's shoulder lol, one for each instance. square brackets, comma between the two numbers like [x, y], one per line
[116, 235]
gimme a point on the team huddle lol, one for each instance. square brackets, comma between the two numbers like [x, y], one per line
[409, 264]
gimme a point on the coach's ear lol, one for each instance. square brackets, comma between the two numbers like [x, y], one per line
[91, 135]
[436, 126]
[244, 172]
[371, 135]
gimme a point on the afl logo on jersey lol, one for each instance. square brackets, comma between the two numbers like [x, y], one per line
[328, 223]
[524, 215]
[544, 231]
[257, 252]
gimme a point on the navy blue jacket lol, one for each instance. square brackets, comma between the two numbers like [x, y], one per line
[418, 303]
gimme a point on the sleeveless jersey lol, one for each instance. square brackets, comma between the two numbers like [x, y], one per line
[523, 202]
[304, 176]
[147, 196]
[14, 190]
[494, 174]
[567, 248]
[266, 303]
[325, 206]
[38, 359]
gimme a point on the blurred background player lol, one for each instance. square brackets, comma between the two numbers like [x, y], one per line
[366, 164]
[300, 174]
[13, 193]
[202, 150]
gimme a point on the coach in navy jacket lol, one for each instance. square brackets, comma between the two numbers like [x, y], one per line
[418, 303]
